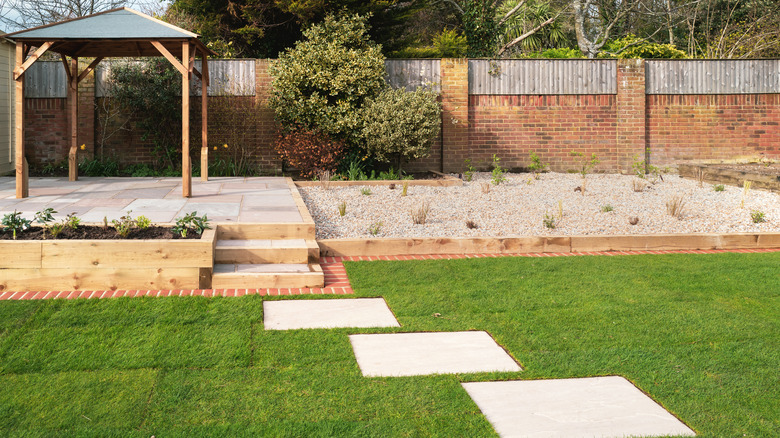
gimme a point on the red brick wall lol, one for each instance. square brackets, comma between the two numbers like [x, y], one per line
[681, 128]
[46, 130]
[631, 131]
[552, 126]
[455, 112]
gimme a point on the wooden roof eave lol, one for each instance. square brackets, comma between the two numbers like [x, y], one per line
[130, 47]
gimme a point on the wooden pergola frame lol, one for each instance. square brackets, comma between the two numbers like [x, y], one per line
[190, 48]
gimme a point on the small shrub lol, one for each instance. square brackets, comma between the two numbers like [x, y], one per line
[638, 185]
[99, 167]
[498, 171]
[675, 206]
[143, 222]
[124, 225]
[757, 216]
[401, 125]
[309, 152]
[549, 221]
[16, 222]
[43, 217]
[375, 228]
[719, 187]
[468, 175]
[537, 166]
[607, 208]
[72, 221]
[324, 176]
[585, 166]
[700, 175]
[342, 208]
[420, 213]
[365, 191]
[404, 188]
[485, 187]
[191, 222]
[56, 229]
[471, 225]
[390, 174]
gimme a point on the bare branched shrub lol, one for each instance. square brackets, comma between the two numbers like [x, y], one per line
[638, 185]
[420, 213]
[325, 177]
[675, 206]
[485, 187]
[700, 175]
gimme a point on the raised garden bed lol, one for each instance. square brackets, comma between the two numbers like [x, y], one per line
[94, 264]
[92, 232]
[762, 176]
[436, 179]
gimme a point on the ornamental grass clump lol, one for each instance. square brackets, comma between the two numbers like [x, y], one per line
[420, 213]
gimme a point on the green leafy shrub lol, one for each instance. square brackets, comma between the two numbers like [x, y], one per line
[99, 167]
[124, 225]
[43, 217]
[639, 49]
[401, 125]
[322, 82]
[143, 222]
[191, 222]
[468, 175]
[15, 222]
[757, 216]
[719, 187]
[309, 152]
[559, 53]
[537, 166]
[497, 175]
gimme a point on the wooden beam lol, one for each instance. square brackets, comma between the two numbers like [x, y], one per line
[204, 118]
[89, 68]
[186, 163]
[67, 66]
[73, 103]
[172, 59]
[20, 69]
[21, 174]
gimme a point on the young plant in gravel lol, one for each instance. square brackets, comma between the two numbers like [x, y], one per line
[191, 222]
[420, 213]
[719, 187]
[537, 166]
[498, 171]
[585, 166]
[700, 175]
[16, 222]
[757, 216]
[404, 188]
[56, 229]
[43, 217]
[468, 175]
[325, 178]
[374, 228]
[471, 225]
[365, 191]
[549, 221]
[607, 208]
[745, 191]
[343, 208]
[675, 206]
[485, 187]
[124, 225]
[638, 185]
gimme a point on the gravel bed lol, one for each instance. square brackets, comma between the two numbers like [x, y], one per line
[518, 207]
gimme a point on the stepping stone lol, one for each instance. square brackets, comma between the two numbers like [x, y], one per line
[312, 314]
[417, 354]
[588, 407]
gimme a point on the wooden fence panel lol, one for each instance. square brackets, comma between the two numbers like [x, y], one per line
[542, 76]
[414, 73]
[712, 76]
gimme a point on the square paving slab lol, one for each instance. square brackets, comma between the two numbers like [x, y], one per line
[589, 407]
[311, 314]
[416, 354]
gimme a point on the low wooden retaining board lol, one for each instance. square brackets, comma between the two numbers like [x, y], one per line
[542, 244]
[715, 175]
[107, 264]
[447, 181]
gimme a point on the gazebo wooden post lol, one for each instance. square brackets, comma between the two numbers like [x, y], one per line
[204, 119]
[73, 112]
[186, 164]
[22, 188]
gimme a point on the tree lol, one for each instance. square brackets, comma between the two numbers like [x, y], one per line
[321, 83]
[24, 14]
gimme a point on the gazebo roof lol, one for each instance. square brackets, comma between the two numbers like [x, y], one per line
[120, 32]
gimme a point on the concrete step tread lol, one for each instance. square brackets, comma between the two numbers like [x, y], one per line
[265, 268]
[262, 244]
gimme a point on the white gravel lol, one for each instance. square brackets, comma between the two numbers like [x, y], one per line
[518, 206]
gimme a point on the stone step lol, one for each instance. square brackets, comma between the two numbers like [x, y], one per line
[249, 231]
[267, 275]
[258, 251]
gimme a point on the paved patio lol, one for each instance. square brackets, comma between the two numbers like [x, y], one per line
[222, 199]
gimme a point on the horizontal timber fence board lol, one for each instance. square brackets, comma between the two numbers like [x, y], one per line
[414, 73]
[695, 76]
[542, 76]
[544, 244]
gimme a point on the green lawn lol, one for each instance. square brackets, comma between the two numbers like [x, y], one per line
[698, 333]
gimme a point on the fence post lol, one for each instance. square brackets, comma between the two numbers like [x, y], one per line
[631, 112]
[455, 113]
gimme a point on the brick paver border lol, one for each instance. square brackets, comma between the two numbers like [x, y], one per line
[336, 280]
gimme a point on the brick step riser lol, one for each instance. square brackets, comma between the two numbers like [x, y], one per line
[267, 280]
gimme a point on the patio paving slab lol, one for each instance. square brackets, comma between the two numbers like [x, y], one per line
[326, 314]
[417, 354]
[586, 407]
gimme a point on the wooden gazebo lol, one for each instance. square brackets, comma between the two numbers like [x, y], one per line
[119, 32]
